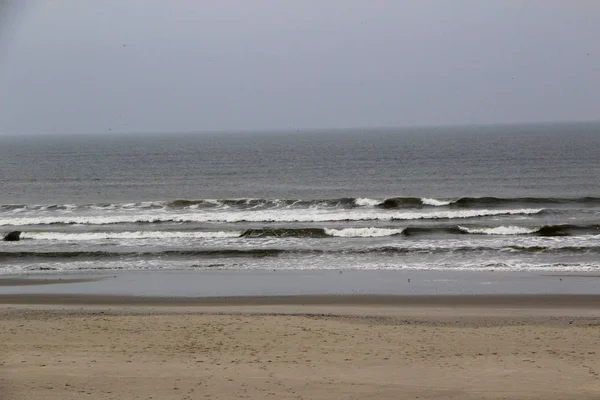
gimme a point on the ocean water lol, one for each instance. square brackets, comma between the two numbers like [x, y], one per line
[503, 198]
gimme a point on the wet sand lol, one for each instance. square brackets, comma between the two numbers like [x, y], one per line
[464, 301]
[9, 282]
[268, 283]
[301, 347]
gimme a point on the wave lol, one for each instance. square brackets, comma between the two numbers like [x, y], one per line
[366, 232]
[284, 232]
[257, 203]
[275, 252]
[342, 203]
[85, 236]
[46, 208]
[565, 230]
[411, 202]
[200, 204]
[478, 202]
[366, 202]
[546, 230]
[363, 232]
[459, 214]
[427, 230]
[155, 254]
[401, 202]
[500, 230]
[436, 202]
[257, 216]
[248, 233]
[500, 201]
[350, 265]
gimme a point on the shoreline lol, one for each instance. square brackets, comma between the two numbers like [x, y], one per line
[19, 281]
[231, 334]
[282, 283]
[507, 301]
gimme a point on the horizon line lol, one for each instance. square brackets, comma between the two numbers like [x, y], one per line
[308, 130]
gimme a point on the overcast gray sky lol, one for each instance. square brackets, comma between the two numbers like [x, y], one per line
[164, 66]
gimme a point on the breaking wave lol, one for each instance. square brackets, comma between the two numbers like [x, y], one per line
[500, 230]
[363, 232]
[342, 203]
[546, 230]
[257, 216]
[84, 236]
[435, 202]
[502, 201]
[366, 232]
[366, 202]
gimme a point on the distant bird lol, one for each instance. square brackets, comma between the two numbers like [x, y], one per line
[408, 280]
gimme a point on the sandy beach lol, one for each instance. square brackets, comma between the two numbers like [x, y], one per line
[304, 347]
[360, 200]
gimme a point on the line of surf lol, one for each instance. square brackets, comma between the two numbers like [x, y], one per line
[260, 216]
[274, 252]
[345, 202]
[309, 232]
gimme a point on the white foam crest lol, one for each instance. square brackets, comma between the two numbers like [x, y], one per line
[150, 204]
[104, 207]
[456, 214]
[499, 230]
[363, 232]
[248, 216]
[435, 202]
[308, 215]
[367, 202]
[85, 236]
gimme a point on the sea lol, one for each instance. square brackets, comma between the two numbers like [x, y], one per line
[475, 198]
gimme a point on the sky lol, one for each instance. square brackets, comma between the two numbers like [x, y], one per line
[185, 65]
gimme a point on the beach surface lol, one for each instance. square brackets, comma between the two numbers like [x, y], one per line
[300, 347]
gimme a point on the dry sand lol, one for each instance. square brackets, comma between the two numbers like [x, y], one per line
[469, 350]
